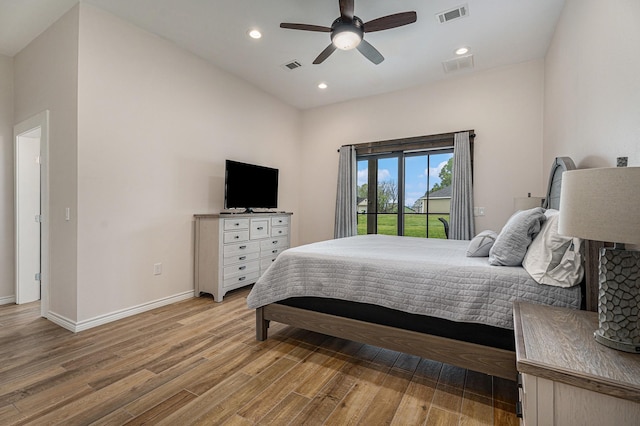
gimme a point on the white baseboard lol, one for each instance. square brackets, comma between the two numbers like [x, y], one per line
[5, 300]
[114, 316]
[62, 321]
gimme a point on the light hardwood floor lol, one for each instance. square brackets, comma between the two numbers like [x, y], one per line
[197, 362]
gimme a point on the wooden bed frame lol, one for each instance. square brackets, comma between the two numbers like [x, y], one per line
[484, 359]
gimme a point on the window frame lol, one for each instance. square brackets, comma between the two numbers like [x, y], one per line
[400, 149]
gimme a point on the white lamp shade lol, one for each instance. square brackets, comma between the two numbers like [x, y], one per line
[601, 204]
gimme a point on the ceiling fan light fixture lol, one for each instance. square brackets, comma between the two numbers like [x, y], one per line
[346, 39]
[322, 86]
[462, 50]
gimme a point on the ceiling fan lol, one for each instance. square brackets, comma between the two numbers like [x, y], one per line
[347, 32]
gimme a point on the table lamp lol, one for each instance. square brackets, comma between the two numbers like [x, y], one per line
[603, 204]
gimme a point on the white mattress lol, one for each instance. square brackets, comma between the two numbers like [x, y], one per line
[415, 275]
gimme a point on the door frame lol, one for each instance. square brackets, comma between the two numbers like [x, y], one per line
[39, 120]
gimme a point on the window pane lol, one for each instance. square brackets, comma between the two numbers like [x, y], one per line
[415, 225]
[362, 223]
[439, 204]
[416, 181]
[436, 227]
[387, 185]
[363, 185]
[387, 224]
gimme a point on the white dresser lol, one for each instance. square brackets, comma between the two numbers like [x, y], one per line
[233, 250]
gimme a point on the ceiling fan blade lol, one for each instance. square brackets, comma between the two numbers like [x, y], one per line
[390, 21]
[346, 9]
[370, 52]
[305, 27]
[325, 54]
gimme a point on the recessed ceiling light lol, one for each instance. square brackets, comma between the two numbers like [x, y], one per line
[322, 86]
[462, 51]
[255, 34]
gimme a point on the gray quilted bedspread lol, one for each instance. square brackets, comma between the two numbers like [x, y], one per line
[416, 275]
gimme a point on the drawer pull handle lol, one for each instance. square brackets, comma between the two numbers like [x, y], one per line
[274, 251]
[260, 228]
[236, 224]
[274, 242]
[242, 268]
[242, 247]
[242, 278]
[237, 237]
[242, 257]
[273, 260]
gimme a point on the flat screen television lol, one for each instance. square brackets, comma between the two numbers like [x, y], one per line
[250, 186]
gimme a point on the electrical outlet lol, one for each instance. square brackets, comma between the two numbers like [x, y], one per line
[157, 268]
[478, 211]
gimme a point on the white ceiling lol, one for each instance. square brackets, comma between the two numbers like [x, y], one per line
[498, 32]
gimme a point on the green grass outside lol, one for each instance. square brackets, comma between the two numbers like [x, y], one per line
[414, 225]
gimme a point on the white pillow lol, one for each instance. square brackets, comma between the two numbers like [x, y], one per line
[554, 259]
[512, 242]
[481, 244]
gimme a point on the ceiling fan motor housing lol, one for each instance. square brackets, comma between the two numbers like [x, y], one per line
[347, 34]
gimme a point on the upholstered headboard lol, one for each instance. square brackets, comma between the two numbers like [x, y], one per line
[592, 248]
[560, 165]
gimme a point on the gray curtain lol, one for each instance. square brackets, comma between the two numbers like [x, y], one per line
[346, 200]
[461, 216]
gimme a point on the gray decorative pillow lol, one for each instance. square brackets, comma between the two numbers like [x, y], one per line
[481, 244]
[512, 242]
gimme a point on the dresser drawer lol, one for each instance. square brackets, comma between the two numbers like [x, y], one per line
[265, 262]
[240, 280]
[280, 221]
[242, 257]
[272, 251]
[277, 231]
[259, 228]
[276, 242]
[231, 224]
[240, 269]
[241, 248]
[236, 236]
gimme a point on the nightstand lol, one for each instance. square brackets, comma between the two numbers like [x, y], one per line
[567, 378]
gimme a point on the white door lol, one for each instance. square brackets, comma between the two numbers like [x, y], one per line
[28, 216]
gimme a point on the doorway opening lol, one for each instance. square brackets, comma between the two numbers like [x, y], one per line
[31, 142]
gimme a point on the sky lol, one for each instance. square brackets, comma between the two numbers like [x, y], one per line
[419, 171]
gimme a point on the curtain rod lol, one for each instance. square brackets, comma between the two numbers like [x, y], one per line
[430, 138]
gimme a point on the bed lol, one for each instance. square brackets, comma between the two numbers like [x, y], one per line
[414, 295]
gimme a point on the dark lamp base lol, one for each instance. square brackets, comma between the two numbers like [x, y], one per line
[621, 346]
[619, 299]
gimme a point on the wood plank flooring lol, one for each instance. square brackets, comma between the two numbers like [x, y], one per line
[197, 362]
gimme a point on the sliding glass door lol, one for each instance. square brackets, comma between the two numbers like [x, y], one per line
[405, 193]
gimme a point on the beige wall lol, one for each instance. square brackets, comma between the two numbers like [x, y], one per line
[155, 127]
[46, 77]
[503, 105]
[7, 257]
[592, 84]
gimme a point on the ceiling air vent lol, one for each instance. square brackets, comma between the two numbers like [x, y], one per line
[458, 64]
[292, 65]
[450, 15]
